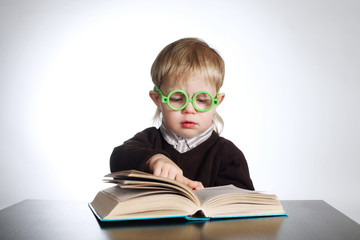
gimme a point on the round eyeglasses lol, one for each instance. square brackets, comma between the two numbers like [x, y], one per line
[177, 100]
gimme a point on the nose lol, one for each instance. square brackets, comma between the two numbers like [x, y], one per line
[189, 109]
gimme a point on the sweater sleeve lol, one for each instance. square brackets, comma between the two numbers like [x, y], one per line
[233, 168]
[135, 152]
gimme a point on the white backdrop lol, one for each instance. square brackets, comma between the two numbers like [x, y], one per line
[75, 76]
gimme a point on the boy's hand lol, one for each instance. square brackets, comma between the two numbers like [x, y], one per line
[162, 166]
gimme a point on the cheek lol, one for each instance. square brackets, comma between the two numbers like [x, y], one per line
[209, 118]
[209, 115]
[168, 115]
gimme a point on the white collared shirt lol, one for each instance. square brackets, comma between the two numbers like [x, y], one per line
[182, 144]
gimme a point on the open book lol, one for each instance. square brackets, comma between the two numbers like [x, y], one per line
[140, 195]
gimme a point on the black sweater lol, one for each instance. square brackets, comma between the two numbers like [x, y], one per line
[215, 162]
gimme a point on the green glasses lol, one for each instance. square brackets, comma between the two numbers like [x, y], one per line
[177, 100]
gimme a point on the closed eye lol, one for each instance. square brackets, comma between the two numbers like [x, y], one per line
[176, 99]
[203, 100]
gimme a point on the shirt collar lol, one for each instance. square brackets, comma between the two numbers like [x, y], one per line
[182, 144]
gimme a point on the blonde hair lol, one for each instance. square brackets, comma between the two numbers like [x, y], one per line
[184, 57]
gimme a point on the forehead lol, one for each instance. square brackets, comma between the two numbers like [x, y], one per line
[193, 83]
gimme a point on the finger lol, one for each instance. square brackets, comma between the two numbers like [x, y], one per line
[190, 183]
[180, 178]
[200, 186]
[171, 175]
[157, 171]
[164, 172]
[175, 173]
[196, 185]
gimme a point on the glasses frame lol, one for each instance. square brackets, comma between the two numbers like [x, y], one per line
[165, 99]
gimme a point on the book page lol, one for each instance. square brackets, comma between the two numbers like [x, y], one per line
[136, 179]
[122, 194]
[120, 203]
[207, 194]
[134, 184]
[226, 201]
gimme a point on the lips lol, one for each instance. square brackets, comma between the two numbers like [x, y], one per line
[188, 124]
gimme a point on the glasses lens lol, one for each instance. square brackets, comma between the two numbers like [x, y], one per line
[203, 101]
[177, 100]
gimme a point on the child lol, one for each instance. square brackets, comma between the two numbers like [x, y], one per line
[187, 75]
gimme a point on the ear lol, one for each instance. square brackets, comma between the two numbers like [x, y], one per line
[221, 97]
[155, 97]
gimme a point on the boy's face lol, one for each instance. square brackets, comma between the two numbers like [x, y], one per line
[187, 122]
